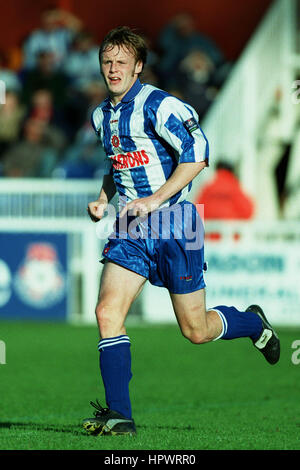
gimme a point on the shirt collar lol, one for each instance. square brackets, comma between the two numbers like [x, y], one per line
[134, 90]
[130, 95]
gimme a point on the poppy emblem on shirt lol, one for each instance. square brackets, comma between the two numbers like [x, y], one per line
[115, 141]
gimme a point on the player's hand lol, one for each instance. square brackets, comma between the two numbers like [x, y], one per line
[140, 207]
[96, 210]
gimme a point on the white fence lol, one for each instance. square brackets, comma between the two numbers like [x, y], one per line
[257, 262]
[46, 198]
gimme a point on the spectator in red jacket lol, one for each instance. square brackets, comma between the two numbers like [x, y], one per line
[223, 197]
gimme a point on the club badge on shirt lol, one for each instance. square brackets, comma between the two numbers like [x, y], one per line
[191, 125]
[115, 141]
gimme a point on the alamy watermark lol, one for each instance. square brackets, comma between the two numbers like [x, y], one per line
[177, 222]
[296, 354]
[2, 352]
[2, 92]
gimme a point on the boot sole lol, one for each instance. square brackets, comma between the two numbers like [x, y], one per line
[93, 428]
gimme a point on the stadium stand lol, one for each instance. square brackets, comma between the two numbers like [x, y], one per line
[61, 89]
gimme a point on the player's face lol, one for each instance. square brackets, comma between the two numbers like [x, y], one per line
[120, 70]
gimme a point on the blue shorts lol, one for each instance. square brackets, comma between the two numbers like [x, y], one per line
[166, 247]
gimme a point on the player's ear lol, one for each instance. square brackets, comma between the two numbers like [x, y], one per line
[138, 67]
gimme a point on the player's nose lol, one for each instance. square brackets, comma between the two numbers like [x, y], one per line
[113, 67]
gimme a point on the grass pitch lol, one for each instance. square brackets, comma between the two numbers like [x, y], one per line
[221, 395]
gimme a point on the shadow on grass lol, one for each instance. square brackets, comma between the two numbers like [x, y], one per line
[71, 428]
[75, 428]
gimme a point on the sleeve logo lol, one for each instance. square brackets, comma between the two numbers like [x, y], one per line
[191, 125]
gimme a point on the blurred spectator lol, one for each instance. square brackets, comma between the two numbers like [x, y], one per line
[10, 78]
[45, 76]
[52, 96]
[195, 79]
[82, 63]
[55, 35]
[95, 93]
[150, 74]
[11, 118]
[81, 103]
[223, 197]
[85, 81]
[178, 39]
[42, 108]
[30, 157]
[84, 159]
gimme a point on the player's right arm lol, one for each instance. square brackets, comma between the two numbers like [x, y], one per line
[97, 208]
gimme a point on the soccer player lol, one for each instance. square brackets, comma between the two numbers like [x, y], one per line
[154, 149]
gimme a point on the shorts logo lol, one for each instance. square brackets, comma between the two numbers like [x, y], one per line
[106, 250]
[186, 278]
[115, 141]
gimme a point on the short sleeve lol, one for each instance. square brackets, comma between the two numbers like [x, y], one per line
[178, 124]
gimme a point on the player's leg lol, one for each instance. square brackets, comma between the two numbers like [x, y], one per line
[180, 266]
[196, 324]
[200, 325]
[118, 289]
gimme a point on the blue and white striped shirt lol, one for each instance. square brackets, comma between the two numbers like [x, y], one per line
[145, 137]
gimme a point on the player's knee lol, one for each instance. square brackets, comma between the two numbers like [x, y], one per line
[101, 314]
[196, 336]
[109, 319]
[104, 318]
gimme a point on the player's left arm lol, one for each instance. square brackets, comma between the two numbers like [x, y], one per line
[178, 125]
[182, 176]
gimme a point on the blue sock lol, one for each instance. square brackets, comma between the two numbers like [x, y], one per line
[238, 324]
[115, 366]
